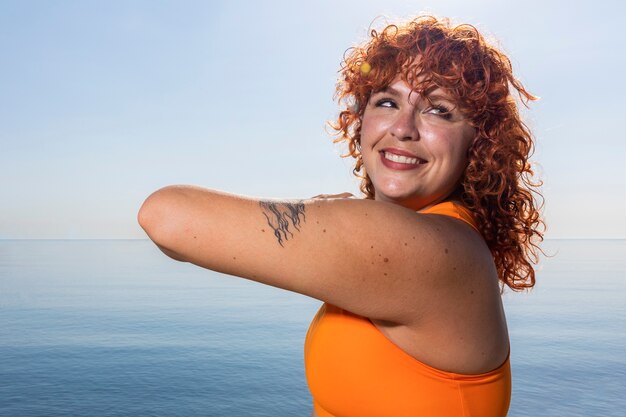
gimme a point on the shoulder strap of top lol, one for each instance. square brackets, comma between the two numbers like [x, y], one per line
[449, 208]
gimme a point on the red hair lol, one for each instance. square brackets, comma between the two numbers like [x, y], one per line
[497, 185]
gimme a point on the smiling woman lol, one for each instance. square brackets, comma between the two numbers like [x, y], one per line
[414, 147]
[412, 322]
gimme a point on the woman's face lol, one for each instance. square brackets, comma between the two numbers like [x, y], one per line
[414, 147]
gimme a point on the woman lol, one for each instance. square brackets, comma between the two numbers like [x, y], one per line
[411, 275]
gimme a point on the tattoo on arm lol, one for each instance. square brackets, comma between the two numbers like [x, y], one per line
[281, 216]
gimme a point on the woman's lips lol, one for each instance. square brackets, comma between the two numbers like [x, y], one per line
[400, 160]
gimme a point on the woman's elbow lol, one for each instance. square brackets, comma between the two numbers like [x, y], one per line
[146, 215]
[166, 216]
[153, 215]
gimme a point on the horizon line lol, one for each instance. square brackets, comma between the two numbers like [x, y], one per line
[146, 238]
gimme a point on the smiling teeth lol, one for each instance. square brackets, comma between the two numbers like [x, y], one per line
[401, 159]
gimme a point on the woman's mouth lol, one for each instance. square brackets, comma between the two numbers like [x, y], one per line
[400, 162]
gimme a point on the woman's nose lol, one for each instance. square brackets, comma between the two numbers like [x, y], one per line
[405, 126]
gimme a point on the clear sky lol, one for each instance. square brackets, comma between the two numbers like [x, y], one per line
[102, 102]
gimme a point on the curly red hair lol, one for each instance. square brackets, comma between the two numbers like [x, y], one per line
[497, 185]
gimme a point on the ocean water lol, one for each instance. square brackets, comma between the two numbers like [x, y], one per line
[114, 328]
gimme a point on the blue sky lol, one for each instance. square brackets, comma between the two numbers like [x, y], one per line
[103, 102]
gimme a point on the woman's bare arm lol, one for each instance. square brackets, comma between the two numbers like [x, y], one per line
[375, 259]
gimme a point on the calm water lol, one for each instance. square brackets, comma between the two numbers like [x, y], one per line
[113, 328]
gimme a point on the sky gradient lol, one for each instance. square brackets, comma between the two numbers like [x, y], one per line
[101, 103]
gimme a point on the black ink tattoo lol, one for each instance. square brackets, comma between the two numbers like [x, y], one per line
[279, 215]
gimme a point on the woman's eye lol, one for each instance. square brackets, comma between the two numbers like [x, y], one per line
[385, 102]
[441, 111]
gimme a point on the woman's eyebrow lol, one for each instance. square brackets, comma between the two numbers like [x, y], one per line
[436, 92]
[387, 90]
[441, 96]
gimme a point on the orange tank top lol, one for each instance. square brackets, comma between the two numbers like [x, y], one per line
[353, 369]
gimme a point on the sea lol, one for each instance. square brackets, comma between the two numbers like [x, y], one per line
[115, 328]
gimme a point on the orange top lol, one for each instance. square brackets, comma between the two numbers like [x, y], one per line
[353, 370]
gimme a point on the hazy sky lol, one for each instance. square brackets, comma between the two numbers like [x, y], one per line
[103, 102]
